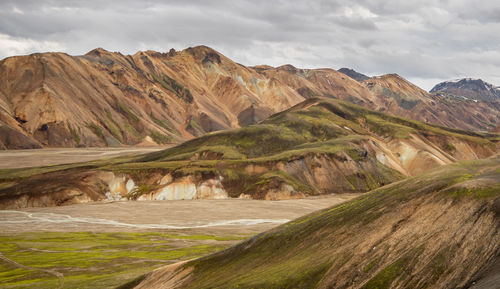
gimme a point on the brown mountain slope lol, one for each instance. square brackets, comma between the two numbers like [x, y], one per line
[390, 94]
[397, 96]
[438, 230]
[108, 99]
[105, 98]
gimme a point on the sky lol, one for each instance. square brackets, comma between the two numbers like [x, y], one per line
[425, 41]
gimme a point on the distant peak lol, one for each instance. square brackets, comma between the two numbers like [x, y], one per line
[468, 88]
[204, 54]
[97, 52]
[262, 67]
[353, 74]
[392, 75]
[201, 49]
[466, 79]
[288, 67]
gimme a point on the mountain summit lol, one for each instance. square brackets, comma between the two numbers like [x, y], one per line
[469, 88]
[353, 74]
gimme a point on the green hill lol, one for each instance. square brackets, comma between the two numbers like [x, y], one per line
[437, 230]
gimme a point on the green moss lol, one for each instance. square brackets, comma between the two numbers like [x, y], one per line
[224, 152]
[370, 265]
[96, 260]
[388, 128]
[128, 113]
[132, 130]
[158, 137]
[475, 192]
[384, 278]
[175, 87]
[450, 147]
[140, 190]
[110, 117]
[286, 178]
[75, 135]
[132, 284]
[116, 130]
[194, 127]
[166, 124]
[113, 130]
[97, 130]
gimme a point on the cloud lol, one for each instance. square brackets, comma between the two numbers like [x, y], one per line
[15, 46]
[423, 41]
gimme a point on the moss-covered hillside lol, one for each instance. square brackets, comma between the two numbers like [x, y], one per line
[438, 230]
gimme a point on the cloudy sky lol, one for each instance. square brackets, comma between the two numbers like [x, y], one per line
[424, 41]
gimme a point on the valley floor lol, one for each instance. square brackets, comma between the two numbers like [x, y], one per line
[12, 159]
[102, 245]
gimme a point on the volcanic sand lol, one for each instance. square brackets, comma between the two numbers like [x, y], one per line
[230, 216]
[10, 159]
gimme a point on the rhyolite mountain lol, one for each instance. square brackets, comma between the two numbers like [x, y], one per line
[319, 146]
[106, 98]
[353, 74]
[468, 88]
[437, 230]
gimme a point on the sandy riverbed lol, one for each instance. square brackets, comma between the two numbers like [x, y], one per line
[234, 216]
[10, 159]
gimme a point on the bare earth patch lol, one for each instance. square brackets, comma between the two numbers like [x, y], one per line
[235, 216]
[10, 159]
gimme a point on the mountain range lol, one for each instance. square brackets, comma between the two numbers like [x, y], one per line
[426, 163]
[468, 88]
[106, 98]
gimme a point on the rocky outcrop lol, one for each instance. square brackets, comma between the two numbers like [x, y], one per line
[187, 188]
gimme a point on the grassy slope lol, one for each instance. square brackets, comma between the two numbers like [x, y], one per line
[339, 245]
[317, 124]
[312, 121]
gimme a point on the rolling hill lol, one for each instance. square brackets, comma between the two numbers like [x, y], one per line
[319, 146]
[438, 230]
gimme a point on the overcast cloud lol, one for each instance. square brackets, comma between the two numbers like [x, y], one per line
[424, 41]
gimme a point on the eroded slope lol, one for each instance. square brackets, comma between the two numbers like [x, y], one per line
[106, 99]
